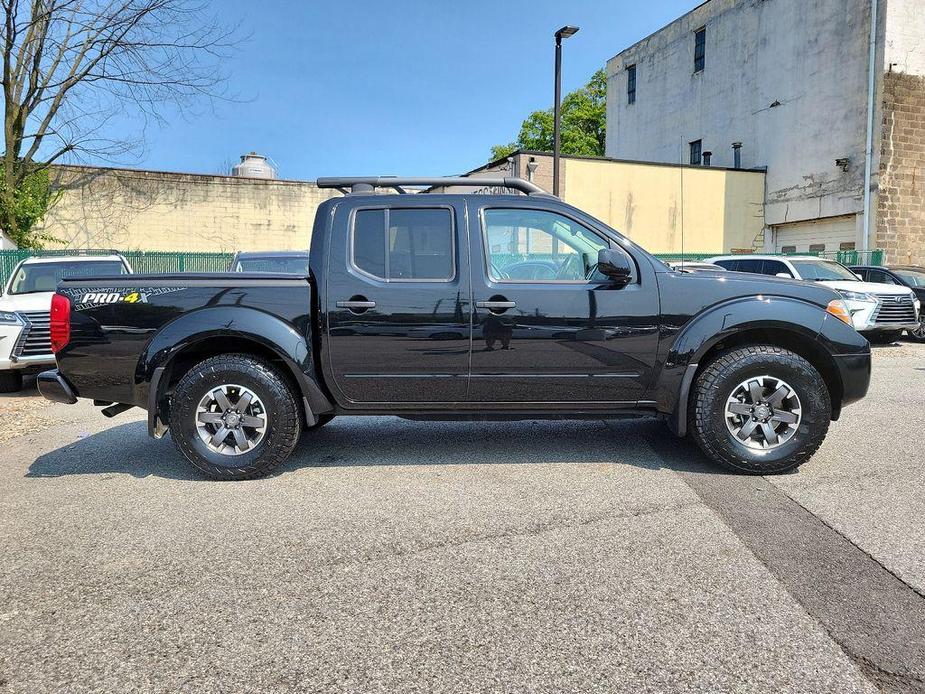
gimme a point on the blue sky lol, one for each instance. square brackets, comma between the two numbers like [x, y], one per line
[403, 87]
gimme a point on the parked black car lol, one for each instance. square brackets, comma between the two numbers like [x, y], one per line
[237, 365]
[912, 276]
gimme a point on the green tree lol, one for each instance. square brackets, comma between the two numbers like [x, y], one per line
[584, 124]
[27, 205]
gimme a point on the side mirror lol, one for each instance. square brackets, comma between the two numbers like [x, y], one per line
[858, 276]
[785, 275]
[615, 265]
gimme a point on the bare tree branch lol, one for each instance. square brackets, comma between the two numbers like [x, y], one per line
[69, 66]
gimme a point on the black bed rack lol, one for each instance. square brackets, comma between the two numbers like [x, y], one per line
[368, 184]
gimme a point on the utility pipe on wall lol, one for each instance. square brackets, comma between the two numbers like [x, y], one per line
[869, 157]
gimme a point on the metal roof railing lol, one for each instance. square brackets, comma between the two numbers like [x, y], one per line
[368, 184]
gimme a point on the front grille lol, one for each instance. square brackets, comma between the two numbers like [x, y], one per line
[35, 339]
[895, 309]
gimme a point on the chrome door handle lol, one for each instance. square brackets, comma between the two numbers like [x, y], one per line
[354, 305]
[496, 307]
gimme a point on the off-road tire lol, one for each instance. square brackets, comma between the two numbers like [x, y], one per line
[10, 381]
[884, 338]
[283, 426]
[716, 382]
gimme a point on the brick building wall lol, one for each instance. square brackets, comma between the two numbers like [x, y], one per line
[127, 209]
[901, 196]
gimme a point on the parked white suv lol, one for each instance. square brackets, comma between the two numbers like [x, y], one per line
[25, 344]
[880, 311]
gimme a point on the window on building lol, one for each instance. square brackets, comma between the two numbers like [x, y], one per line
[696, 152]
[404, 244]
[788, 249]
[631, 84]
[700, 48]
[846, 246]
[817, 248]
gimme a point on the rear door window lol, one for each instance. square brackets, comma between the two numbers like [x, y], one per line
[404, 245]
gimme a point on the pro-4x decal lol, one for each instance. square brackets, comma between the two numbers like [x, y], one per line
[101, 296]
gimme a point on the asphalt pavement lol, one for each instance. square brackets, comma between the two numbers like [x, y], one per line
[396, 556]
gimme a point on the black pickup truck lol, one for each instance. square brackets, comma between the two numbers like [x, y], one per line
[456, 306]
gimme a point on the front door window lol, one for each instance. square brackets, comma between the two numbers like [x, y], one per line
[535, 245]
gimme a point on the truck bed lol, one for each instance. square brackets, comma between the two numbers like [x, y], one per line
[123, 327]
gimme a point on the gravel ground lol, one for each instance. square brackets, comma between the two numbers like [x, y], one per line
[23, 412]
[398, 556]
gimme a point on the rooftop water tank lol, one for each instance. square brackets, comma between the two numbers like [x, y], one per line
[253, 165]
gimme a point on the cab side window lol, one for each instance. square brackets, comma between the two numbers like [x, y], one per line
[880, 276]
[728, 264]
[524, 245]
[775, 267]
[411, 244]
[750, 266]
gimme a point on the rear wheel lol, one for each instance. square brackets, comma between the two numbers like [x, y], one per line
[234, 417]
[760, 410]
[10, 381]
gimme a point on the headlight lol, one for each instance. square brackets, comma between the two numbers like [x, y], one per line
[838, 309]
[9, 318]
[858, 296]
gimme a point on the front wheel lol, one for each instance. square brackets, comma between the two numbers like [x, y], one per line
[10, 381]
[234, 417]
[760, 410]
[886, 337]
[918, 334]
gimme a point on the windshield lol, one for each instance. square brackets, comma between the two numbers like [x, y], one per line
[913, 278]
[822, 270]
[294, 265]
[44, 277]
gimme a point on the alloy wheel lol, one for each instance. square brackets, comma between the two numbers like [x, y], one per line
[763, 412]
[231, 419]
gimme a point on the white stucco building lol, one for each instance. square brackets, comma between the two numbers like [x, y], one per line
[797, 83]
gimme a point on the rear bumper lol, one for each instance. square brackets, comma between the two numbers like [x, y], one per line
[55, 387]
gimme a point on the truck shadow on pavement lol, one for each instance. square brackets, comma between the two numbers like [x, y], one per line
[389, 441]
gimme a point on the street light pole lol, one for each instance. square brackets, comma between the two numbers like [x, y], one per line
[563, 33]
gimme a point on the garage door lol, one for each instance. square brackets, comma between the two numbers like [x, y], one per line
[830, 234]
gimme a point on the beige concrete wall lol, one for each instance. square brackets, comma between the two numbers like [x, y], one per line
[667, 209]
[723, 209]
[145, 210]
